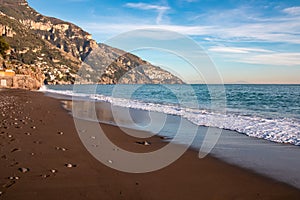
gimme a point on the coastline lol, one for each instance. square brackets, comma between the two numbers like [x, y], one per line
[32, 143]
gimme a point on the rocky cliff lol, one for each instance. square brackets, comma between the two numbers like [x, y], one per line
[58, 49]
[108, 65]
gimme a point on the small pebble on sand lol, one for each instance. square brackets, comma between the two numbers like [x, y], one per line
[14, 178]
[60, 133]
[53, 171]
[45, 175]
[61, 148]
[69, 165]
[23, 169]
[144, 143]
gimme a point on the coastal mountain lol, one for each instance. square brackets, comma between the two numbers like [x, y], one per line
[108, 65]
[61, 52]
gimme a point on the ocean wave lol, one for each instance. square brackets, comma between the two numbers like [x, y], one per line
[281, 130]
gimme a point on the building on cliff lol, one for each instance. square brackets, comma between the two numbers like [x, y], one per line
[7, 72]
[8, 79]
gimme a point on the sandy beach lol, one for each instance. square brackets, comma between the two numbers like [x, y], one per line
[42, 157]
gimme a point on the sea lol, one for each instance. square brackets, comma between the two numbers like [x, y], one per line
[260, 124]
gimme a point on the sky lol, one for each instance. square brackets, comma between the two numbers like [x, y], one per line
[248, 41]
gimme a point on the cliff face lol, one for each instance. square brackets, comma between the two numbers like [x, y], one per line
[65, 36]
[57, 49]
[6, 31]
[53, 46]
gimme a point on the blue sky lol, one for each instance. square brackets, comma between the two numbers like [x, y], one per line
[255, 41]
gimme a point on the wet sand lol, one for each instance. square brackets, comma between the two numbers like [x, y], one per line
[42, 157]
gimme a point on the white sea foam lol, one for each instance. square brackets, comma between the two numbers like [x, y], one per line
[281, 130]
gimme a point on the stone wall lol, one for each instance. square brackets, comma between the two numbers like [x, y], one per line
[6, 81]
[20, 81]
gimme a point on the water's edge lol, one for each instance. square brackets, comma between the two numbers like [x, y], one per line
[277, 161]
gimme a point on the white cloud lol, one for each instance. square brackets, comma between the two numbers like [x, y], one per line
[244, 24]
[144, 6]
[238, 50]
[247, 55]
[286, 32]
[258, 56]
[292, 10]
[279, 59]
[228, 26]
[120, 28]
[190, 1]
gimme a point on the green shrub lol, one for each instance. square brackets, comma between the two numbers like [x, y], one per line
[4, 46]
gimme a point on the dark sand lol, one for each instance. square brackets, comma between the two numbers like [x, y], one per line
[30, 123]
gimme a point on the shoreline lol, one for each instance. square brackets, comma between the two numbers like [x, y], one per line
[261, 156]
[187, 178]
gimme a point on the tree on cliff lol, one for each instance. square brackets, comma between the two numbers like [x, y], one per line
[4, 46]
